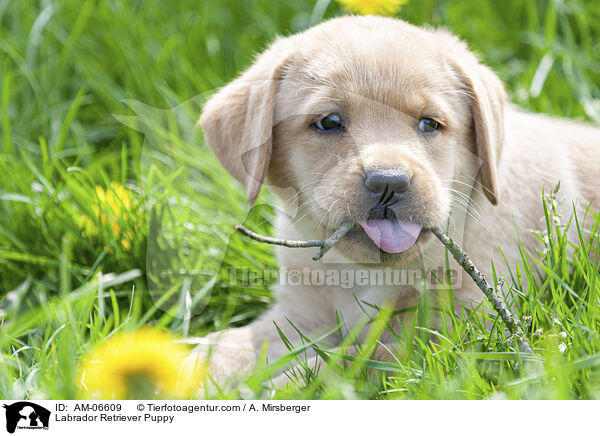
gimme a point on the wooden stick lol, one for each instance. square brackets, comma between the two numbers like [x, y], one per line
[494, 296]
[333, 239]
[324, 244]
[274, 241]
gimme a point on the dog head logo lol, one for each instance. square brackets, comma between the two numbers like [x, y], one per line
[26, 415]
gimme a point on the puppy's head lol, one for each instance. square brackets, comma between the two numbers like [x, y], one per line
[370, 120]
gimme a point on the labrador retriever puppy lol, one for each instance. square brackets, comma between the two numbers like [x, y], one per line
[397, 129]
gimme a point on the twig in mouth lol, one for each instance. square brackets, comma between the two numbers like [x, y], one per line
[333, 239]
[324, 244]
[494, 296]
[274, 241]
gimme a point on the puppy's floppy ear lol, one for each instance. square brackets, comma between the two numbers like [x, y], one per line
[488, 98]
[238, 120]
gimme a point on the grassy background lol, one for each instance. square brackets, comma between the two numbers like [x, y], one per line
[67, 282]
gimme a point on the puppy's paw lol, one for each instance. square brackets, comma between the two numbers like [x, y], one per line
[227, 358]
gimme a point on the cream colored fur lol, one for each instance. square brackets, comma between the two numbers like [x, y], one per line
[383, 75]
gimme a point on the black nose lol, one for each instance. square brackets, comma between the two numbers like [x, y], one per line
[396, 180]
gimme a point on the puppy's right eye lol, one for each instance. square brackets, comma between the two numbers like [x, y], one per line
[329, 122]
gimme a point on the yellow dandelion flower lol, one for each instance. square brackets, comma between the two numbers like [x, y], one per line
[373, 7]
[113, 206]
[143, 364]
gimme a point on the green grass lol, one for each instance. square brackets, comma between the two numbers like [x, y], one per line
[68, 67]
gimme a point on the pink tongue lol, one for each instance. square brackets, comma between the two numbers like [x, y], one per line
[391, 235]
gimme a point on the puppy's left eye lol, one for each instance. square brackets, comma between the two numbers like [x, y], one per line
[329, 122]
[429, 126]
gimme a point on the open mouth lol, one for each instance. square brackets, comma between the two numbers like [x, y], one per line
[388, 232]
